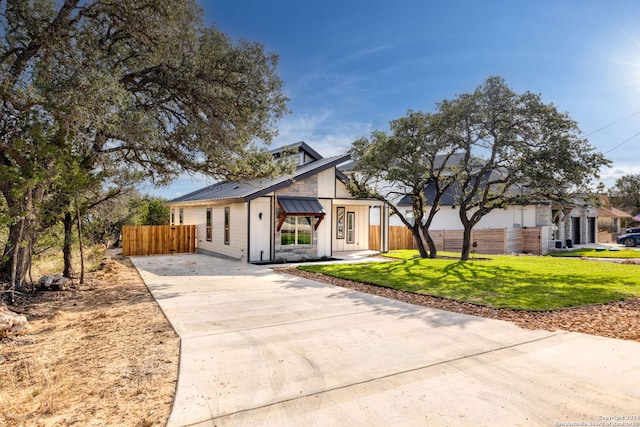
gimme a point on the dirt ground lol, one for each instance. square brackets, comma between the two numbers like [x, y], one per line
[102, 354]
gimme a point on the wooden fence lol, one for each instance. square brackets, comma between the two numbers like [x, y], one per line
[489, 241]
[374, 238]
[158, 239]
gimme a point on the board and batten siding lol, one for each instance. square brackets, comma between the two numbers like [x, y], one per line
[341, 190]
[325, 229]
[237, 247]
[327, 184]
[361, 229]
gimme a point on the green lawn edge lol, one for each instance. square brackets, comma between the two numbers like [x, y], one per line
[531, 283]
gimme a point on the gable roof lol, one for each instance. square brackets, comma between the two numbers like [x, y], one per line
[451, 195]
[612, 212]
[301, 146]
[254, 189]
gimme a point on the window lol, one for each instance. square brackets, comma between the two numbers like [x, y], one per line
[555, 220]
[340, 223]
[181, 216]
[208, 225]
[173, 216]
[297, 230]
[408, 214]
[351, 220]
[227, 219]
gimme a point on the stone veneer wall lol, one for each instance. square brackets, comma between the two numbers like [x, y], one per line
[305, 188]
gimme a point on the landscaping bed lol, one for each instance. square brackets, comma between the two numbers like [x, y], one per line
[616, 319]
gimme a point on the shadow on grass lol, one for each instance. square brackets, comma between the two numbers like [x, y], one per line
[491, 285]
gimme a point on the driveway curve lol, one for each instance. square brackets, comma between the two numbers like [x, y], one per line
[259, 348]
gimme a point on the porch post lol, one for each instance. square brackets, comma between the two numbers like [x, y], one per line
[384, 229]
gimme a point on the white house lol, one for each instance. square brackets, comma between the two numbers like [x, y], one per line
[572, 224]
[308, 215]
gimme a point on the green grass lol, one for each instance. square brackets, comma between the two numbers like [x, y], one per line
[595, 253]
[516, 282]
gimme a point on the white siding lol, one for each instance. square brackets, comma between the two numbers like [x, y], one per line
[260, 241]
[361, 240]
[341, 190]
[237, 247]
[325, 229]
[449, 219]
[327, 184]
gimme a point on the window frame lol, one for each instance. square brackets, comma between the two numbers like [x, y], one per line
[298, 221]
[351, 226]
[340, 222]
[227, 225]
[209, 225]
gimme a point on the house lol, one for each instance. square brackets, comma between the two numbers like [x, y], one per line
[308, 215]
[560, 226]
[609, 220]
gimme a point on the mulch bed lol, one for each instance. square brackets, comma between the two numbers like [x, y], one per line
[620, 319]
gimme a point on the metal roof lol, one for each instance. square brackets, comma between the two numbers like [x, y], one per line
[301, 146]
[254, 189]
[451, 195]
[300, 205]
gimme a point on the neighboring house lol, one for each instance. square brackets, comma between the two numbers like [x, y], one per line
[308, 215]
[562, 226]
[609, 221]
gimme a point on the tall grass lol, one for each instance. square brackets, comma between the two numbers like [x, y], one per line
[51, 261]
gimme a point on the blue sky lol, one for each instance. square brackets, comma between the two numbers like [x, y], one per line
[349, 67]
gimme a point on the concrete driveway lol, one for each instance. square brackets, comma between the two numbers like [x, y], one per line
[265, 349]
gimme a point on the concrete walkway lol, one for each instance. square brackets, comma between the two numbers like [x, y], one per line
[265, 349]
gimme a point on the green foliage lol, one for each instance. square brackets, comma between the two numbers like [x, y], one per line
[625, 194]
[487, 150]
[403, 164]
[97, 94]
[516, 282]
[156, 212]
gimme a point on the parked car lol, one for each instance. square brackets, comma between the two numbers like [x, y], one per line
[632, 230]
[629, 239]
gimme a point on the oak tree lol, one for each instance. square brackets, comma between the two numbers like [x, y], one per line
[140, 85]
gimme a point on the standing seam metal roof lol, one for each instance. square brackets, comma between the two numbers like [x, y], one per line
[254, 189]
[300, 205]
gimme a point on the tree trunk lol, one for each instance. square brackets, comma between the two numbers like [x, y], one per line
[67, 253]
[16, 258]
[80, 243]
[466, 242]
[433, 252]
[416, 234]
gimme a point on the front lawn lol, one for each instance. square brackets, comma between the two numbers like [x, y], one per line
[517, 282]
